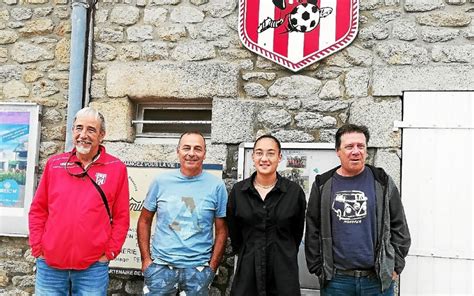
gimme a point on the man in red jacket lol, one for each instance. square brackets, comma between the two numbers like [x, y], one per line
[80, 214]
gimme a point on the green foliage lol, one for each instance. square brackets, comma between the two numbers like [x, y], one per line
[19, 177]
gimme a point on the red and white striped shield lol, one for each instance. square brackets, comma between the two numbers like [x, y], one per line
[297, 33]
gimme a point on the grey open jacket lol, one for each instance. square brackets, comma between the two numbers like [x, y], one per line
[392, 239]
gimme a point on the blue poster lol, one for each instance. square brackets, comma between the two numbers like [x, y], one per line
[14, 131]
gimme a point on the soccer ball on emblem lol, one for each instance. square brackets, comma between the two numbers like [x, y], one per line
[305, 17]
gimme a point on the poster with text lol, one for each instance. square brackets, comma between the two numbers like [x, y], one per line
[300, 162]
[18, 158]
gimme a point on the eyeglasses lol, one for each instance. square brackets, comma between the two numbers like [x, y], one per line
[269, 154]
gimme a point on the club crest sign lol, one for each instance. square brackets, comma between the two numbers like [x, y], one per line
[297, 33]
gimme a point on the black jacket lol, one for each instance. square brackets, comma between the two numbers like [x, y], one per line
[266, 235]
[392, 239]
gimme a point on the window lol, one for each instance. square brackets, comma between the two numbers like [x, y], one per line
[169, 119]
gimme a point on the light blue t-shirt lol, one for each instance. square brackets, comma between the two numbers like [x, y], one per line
[185, 209]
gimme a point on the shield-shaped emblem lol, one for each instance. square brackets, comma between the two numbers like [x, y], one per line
[297, 33]
[100, 178]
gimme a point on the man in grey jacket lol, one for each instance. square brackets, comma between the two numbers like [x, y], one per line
[357, 236]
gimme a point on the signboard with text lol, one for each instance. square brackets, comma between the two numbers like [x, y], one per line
[19, 143]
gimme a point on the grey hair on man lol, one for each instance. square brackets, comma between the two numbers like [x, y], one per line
[89, 111]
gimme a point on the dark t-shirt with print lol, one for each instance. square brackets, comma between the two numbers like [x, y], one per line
[353, 220]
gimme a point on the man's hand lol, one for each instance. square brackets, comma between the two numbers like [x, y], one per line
[145, 263]
[394, 276]
[103, 258]
[213, 267]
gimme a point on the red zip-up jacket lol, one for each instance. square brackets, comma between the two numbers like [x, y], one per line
[68, 222]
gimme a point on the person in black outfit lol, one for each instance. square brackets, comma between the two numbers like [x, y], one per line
[265, 215]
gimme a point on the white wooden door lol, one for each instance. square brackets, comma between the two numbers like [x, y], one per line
[437, 192]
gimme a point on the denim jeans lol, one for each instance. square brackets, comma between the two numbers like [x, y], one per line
[164, 280]
[344, 285]
[92, 281]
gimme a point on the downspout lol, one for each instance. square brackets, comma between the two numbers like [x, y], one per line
[90, 50]
[77, 63]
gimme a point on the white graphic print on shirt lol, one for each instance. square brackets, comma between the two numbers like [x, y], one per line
[186, 223]
[350, 206]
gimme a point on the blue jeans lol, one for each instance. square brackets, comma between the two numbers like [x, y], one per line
[344, 285]
[92, 281]
[164, 280]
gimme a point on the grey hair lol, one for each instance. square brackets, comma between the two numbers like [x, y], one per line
[89, 111]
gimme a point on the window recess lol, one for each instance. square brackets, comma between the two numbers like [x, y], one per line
[171, 119]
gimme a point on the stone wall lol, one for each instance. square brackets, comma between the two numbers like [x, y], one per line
[189, 49]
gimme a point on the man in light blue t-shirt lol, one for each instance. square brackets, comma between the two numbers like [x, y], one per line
[188, 203]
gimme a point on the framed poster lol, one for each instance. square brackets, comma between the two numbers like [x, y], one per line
[19, 144]
[300, 162]
[140, 176]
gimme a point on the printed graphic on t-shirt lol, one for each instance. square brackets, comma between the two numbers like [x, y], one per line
[350, 206]
[186, 223]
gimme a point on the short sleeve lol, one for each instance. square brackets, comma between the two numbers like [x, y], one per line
[221, 200]
[151, 197]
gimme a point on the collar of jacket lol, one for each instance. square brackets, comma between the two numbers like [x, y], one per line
[280, 185]
[379, 174]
